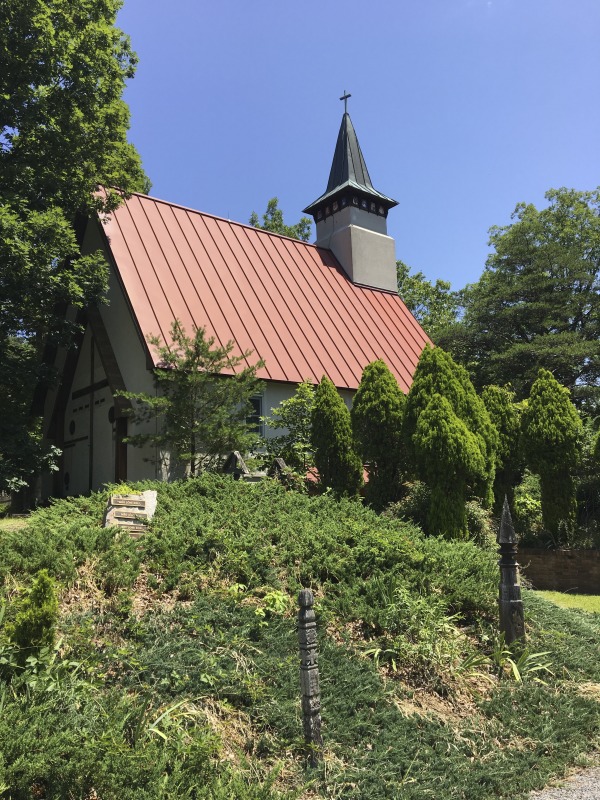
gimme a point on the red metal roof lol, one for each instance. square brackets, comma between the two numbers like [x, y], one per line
[289, 302]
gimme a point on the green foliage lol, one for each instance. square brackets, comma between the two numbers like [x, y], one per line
[538, 301]
[35, 623]
[203, 401]
[418, 637]
[552, 433]
[415, 504]
[587, 479]
[505, 415]
[337, 462]
[434, 305]
[518, 663]
[200, 699]
[295, 416]
[40, 269]
[450, 440]
[527, 517]
[376, 418]
[272, 221]
[596, 449]
[63, 132]
[64, 123]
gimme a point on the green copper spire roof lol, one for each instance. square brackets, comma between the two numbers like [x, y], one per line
[349, 170]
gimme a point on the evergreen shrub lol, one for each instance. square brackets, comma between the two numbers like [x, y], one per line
[376, 415]
[552, 434]
[414, 507]
[450, 441]
[505, 414]
[35, 625]
[336, 459]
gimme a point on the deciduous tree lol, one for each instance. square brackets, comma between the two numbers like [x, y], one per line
[63, 132]
[273, 221]
[434, 305]
[537, 303]
[293, 415]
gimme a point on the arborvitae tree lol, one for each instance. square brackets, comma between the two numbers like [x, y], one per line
[450, 441]
[505, 414]
[376, 417]
[337, 462]
[552, 433]
[295, 416]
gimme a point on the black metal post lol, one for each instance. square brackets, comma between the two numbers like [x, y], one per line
[512, 622]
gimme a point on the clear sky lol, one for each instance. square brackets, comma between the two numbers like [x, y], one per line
[462, 108]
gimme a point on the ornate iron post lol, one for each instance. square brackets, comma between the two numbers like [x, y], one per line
[309, 676]
[512, 623]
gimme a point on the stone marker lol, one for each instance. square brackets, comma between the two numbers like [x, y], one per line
[512, 623]
[235, 466]
[131, 512]
[278, 468]
[309, 676]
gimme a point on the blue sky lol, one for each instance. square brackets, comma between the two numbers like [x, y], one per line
[462, 108]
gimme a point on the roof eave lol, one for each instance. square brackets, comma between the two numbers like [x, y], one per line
[350, 186]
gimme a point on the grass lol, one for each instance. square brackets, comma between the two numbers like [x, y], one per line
[585, 602]
[12, 524]
[176, 668]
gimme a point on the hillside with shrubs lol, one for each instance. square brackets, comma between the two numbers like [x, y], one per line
[167, 666]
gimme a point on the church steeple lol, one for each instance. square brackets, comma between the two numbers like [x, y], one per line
[351, 215]
[349, 180]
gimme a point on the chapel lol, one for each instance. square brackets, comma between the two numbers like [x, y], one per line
[307, 310]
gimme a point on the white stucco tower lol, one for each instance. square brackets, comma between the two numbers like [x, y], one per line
[351, 216]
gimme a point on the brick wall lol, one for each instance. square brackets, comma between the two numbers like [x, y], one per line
[576, 571]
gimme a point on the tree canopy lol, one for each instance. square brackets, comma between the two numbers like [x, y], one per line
[273, 221]
[537, 303]
[63, 133]
[433, 305]
[63, 122]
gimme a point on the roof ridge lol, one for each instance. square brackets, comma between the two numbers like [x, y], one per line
[217, 217]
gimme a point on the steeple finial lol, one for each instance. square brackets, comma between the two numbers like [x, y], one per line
[345, 97]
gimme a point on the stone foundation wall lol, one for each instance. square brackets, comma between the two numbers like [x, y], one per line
[576, 571]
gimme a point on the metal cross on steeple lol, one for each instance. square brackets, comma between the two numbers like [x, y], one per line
[345, 97]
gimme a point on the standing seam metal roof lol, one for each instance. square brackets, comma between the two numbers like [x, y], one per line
[288, 301]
